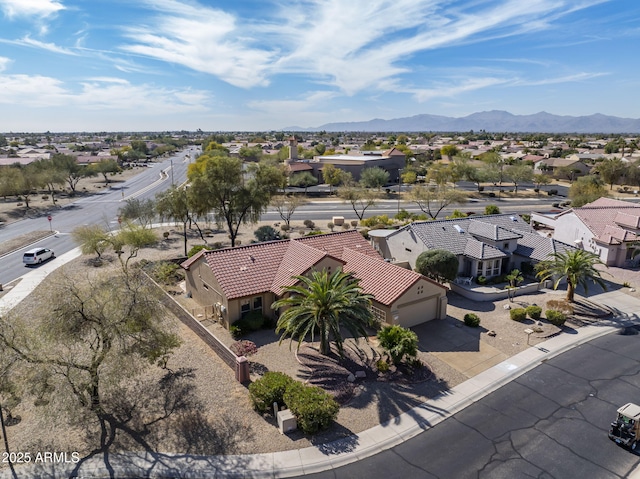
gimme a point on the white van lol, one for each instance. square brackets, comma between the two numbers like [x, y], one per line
[37, 256]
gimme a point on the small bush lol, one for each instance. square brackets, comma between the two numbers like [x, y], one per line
[313, 408]
[166, 272]
[534, 312]
[244, 348]
[345, 226]
[472, 320]
[518, 314]
[561, 305]
[268, 389]
[285, 227]
[555, 205]
[309, 224]
[314, 233]
[217, 245]
[398, 342]
[235, 331]
[555, 317]
[354, 223]
[252, 321]
[195, 249]
[382, 366]
[330, 225]
[552, 192]
[365, 233]
[481, 280]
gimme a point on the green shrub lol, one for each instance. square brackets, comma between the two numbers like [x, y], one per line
[518, 314]
[472, 320]
[195, 249]
[166, 272]
[268, 389]
[398, 342]
[382, 366]
[252, 321]
[313, 408]
[481, 280]
[555, 317]
[381, 220]
[309, 224]
[534, 312]
[235, 331]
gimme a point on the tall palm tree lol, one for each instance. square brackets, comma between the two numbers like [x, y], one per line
[323, 303]
[577, 267]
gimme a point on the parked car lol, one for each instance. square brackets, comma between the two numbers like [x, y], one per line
[37, 256]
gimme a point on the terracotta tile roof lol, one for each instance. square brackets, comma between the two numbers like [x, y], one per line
[615, 235]
[385, 281]
[247, 270]
[268, 266]
[293, 167]
[297, 259]
[599, 214]
[632, 220]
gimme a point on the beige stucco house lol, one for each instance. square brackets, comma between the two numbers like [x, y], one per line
[236, 281]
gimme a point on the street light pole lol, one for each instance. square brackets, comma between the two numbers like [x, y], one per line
[399, 187]
[171, 171]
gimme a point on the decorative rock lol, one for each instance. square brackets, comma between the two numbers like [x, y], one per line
[491, 333]
[351, 378]
[539, 323]
[632, 290]
[361, 374]
[507, 306]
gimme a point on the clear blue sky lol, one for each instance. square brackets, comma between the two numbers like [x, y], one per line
[142, 65]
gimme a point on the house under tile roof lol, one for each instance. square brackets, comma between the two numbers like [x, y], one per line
[269, 266]
[605, 216]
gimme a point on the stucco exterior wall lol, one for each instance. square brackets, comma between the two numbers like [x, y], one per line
[422, 302]
[405, 246]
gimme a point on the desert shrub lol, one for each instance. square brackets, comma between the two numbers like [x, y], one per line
[166, 272]
[313, 408]
[330, 225]
[560, 305]
[285, 227]
[481, 280]
[195, 249]
[309, 224]
[235, 331]
[268, 389]
[552, 192]
[518, 314]
[555, 317]
[244, 348]
[381, 220]
[438, 264]
[555, 205]
[382, 366]
[345, 226]
[266, 233]
[533, 311]
[398, 342]
[252, 321]
[354, 223]
[365, 233]
[216, 245]
[472, 320]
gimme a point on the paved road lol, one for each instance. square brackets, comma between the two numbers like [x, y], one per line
[101, 208]
[549, 423]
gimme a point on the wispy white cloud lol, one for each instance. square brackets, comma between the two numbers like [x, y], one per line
[4, 62]
[30, 8]
[576, 77]
[201, 38]
[98, 94]
[351, 46]
[52, 47]
[455, 89]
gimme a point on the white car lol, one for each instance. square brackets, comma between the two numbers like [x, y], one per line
[37, 256]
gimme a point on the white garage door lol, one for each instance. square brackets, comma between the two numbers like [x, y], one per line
[419, 312]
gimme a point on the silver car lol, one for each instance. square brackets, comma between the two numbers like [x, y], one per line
[37, 256]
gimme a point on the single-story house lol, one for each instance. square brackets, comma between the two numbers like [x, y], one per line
[607, 227]
[486, 245]
[238, 280]
[552, 166]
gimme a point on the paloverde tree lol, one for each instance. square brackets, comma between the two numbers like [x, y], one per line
[375, 177]
[303, 180]
[585, 190]
[93, 338]
[287, 205]
[323, 303]
[577, 267]
[92, 239]
[433, 199]
[360, 199]
[173, 204]
[219, 185]
[104, 167]
[332, 176]
[72, 171]
[611, 170]
[49, 176]
[142, 211]
[518, 174]
[438, 264]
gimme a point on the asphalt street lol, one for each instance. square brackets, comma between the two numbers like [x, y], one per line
[551, 422]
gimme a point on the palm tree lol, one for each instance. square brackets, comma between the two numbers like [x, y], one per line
[514, 278]
[577, 267]
[323, 303]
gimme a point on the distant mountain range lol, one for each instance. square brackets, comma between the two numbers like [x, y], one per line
[491, 121]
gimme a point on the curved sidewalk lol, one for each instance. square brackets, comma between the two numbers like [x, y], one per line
[338, 453]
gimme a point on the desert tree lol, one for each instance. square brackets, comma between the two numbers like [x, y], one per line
[433, 199]
[359, 198]
[286, 205]
[141, 211]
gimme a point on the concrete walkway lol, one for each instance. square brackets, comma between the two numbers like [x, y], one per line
[326, 456]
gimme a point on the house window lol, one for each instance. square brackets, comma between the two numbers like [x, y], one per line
[506, 246]
[480, 268]
[421, 289]
[245, 307]
[378, 315]
[496, 268]
[257, 303]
